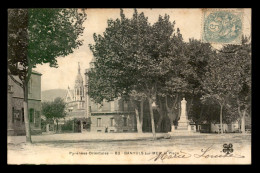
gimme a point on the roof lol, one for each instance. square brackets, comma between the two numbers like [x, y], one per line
[69, 94]
[18, 79]
[35, 72]
[79, 79]
[76, 113]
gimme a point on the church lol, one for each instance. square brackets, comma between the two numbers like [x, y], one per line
[76, 106]
[88, 116]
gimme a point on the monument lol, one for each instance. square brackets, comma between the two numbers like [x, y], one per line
[183, 123]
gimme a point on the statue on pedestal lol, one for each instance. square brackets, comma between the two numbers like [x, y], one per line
[183, 123]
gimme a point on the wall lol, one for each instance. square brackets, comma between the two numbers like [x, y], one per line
[15, 106]
[112, 106]
[234, 127]
[119, 123]
[35, 87]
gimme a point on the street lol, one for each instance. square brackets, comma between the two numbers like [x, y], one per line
[87, 152]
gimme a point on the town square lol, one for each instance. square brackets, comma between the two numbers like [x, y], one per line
[129, 86]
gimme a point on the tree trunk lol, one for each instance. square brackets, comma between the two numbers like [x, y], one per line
[150, 101]
[141, 112]
[221, 125]
[73, 126]
[171, 111]
[159, 123]
[57, 129]
[192, 97]
[201, 111]
[242, 119]
[26, 115]
[243, 123]
[190, 106]
[138, 123]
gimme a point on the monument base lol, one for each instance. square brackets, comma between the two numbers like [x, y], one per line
[183, 125]
[182, 130]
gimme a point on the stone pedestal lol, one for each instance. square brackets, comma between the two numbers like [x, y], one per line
[183, 123]
[189, 128]
[173, 128]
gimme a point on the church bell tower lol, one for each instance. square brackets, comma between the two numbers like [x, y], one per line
[79, 89]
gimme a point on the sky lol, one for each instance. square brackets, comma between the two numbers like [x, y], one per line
[189, 21]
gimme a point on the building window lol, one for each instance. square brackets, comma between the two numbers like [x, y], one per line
[13, 115]
[22, 115]
[31, 115]
[125, 121]
[37, 119]
[17, 115]
[125, 106]
[112, 122]
[99, 122]
[10, 88]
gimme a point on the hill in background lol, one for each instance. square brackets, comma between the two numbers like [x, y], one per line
[50, 95]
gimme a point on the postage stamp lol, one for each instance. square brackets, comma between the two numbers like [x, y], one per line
[222, 26]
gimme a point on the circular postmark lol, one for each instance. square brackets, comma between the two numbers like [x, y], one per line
[222, 27]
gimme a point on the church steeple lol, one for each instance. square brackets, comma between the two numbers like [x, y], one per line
[78, 68]
[78, 88]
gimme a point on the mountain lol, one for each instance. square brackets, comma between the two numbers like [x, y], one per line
[50, 95]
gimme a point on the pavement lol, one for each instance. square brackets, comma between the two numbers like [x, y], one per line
[85, 137]
[99, 137]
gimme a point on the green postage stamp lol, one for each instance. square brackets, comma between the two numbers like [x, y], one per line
[224, 26]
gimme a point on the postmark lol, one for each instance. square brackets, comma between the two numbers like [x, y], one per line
[222, 26]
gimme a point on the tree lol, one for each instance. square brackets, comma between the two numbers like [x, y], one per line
[54, 110]
[228, 77]
[241, 58]
[218, 82]
[131, 56]
[37, 36]
[185, 70]
[198, 54]
[109, 79]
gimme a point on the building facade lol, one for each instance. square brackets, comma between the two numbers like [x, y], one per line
[15, 94]
[113, 116]
[110, 117]
[88, 116]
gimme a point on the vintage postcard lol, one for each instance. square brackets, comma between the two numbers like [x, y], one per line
[129, 86]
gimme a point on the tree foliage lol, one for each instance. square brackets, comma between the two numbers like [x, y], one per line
[38, 36]
[54, 109]
[132, 55]
[228, 77]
